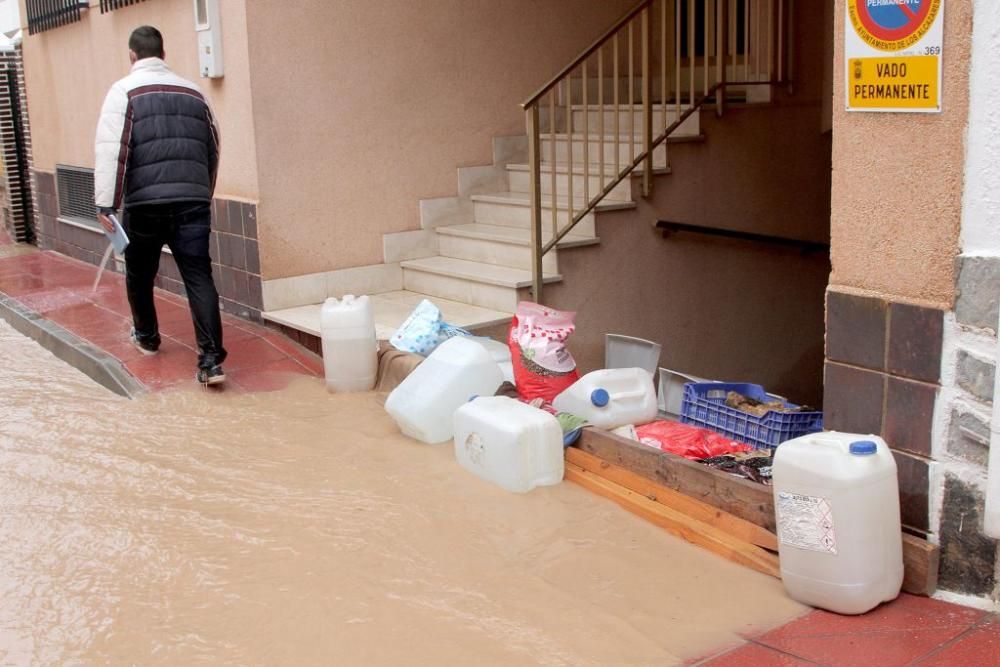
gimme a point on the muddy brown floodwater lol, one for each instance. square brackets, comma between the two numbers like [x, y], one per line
[299, 527]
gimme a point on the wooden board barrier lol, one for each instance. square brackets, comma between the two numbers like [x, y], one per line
[727, 523]
[691, 530]
[738, 497]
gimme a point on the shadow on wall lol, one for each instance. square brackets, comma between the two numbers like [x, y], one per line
[724, 309]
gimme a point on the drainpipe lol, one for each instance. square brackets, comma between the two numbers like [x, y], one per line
[992, 520]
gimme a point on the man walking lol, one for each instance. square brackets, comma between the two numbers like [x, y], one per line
[157, 153]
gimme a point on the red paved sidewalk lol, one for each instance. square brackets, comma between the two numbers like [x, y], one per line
[908, 631]
[59, 288]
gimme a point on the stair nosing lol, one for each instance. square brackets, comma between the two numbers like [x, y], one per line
[561, 168]
[501, 199]
[415, 265]
[458, 232]
[680, 138]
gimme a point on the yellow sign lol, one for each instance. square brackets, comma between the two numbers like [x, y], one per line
[900, 83]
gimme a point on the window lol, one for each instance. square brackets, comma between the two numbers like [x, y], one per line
[47, 14]
[75, 186]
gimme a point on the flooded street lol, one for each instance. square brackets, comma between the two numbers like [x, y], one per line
[297, 527]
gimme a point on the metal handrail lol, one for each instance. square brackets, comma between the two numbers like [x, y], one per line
[735, 34]
[586, 53]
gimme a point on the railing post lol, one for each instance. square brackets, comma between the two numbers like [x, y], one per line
[721, 40]
[647, 107]
[535, 171]
[791, 47]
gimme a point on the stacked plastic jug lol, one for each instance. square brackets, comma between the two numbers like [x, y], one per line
[836, 502]
[350, 350]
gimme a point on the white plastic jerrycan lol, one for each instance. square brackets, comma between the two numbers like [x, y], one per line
[350, 350]
[836, 502]
[501, 355]
[509, 443]
[424, 404]
[611, 398]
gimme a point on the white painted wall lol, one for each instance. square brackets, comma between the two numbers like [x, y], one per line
[10, 15]
[981, 202]
[980, 237]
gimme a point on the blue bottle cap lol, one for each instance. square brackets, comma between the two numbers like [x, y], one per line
[599, 397]
[863, 448]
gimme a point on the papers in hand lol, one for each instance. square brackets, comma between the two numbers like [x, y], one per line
[118, 238]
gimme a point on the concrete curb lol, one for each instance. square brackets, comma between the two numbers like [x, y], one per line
[91, 361]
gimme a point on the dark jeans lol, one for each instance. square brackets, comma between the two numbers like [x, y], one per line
[184, 228]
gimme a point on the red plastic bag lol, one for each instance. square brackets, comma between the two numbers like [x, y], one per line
[688, 441]
[543, 367]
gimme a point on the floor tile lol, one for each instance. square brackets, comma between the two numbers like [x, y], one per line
[154, 372]
[268, 377]
[84, 316]
[905, 613]
[249, 353]
[978, 646]
[19, 284]
[889, 648]
[46, 300]
[754, 655]
[313, 362]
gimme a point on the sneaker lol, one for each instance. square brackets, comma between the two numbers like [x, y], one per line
[143, 347]
[210, 376]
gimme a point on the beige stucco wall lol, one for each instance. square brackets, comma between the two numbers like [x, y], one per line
[69, 69]
[722, 309]
[364, 107]
[897, 182]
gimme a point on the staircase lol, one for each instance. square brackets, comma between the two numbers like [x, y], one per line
[474, 257]
[483, 264]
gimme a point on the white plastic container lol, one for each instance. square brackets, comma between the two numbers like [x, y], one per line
[611, 398]
[501, 355]
[350, 350]
[509, 443]
[836, 501]
[424, 404]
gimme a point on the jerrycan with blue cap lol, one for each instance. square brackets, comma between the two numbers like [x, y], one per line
[611, 397]
[836, 504]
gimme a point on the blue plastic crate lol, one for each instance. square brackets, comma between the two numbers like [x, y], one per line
[705, 405]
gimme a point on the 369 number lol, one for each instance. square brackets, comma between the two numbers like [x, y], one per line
[932, 51]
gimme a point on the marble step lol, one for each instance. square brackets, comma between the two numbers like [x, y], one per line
[519, 176]
[562, 143]
[630, 119]
[501, 245]
[513, 209]
[476, 283]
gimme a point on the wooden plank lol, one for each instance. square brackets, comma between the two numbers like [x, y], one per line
[739, 497]
[681, 525]
[739, 528]
[920, 565]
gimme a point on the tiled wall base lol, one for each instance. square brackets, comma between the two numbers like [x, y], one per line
[308, 341]
[882, 377]
[233, 246]
[923, 379]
